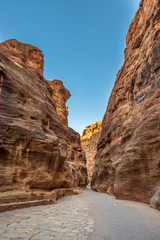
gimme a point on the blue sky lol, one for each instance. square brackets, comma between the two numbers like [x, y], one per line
[83, 43]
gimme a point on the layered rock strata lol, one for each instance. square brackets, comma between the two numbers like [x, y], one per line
[60, 96]
[128, 158]
[34, 144]
[75, 154]
[24, 55]
[89, 141]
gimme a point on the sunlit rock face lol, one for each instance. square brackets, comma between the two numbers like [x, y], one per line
[128, 158]
[89, 141]
[60, 96]
[34, 144]
[24, 54]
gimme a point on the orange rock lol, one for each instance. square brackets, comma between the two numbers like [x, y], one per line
[89, 141]
[127, 162]
[24, 54]
[75, 155]
[34, 144]
[60, 96]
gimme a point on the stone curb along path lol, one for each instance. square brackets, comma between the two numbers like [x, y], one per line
[12, 200]
[69, 218]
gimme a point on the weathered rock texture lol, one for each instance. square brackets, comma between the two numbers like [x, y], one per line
[24, 54]
[34, 144]
[128, 158]
[75, 155]
[60, 96]
[89, 141]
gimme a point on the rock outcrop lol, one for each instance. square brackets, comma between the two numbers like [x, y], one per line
[60, 96]
[89, 141]
[34, 144]
[75, 154]
[128, 158]
[24, 54]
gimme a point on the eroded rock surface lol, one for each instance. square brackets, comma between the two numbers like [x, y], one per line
[33, 142]
[128, 159]
[89, 141]
[75, 155]
[60, 96]
[24, 54]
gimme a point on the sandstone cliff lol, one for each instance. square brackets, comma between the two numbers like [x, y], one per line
[60, 96]
[75, 154]
[24, 54]
[128, 158]
[89, 141]
[34, 144]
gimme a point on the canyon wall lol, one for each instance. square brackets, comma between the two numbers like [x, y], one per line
[60, 96]
[37, 149]
[89, 141]
[75, 154]
[128, 158]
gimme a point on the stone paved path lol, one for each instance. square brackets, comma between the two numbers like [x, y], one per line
[70, 219]
[87, 216]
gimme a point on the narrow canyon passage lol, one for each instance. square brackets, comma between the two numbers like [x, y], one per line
[89, 215]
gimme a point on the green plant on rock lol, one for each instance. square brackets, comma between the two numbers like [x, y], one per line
[131, 103]
[117, 131]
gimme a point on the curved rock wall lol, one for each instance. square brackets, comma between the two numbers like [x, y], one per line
[33, 142]
[128, 158]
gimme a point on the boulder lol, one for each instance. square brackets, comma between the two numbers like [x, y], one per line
[155, 200]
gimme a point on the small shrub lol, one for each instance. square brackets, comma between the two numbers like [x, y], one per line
[27, 190]
[131, 103]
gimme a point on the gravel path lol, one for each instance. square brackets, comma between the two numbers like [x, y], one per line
[90, 215]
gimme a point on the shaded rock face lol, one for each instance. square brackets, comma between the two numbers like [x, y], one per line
[60, 96]
[75, 155]
[77, 158]
[89, 141]
[128, 158]
[33, 142]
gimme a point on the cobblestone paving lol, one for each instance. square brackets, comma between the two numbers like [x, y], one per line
[70, 219]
